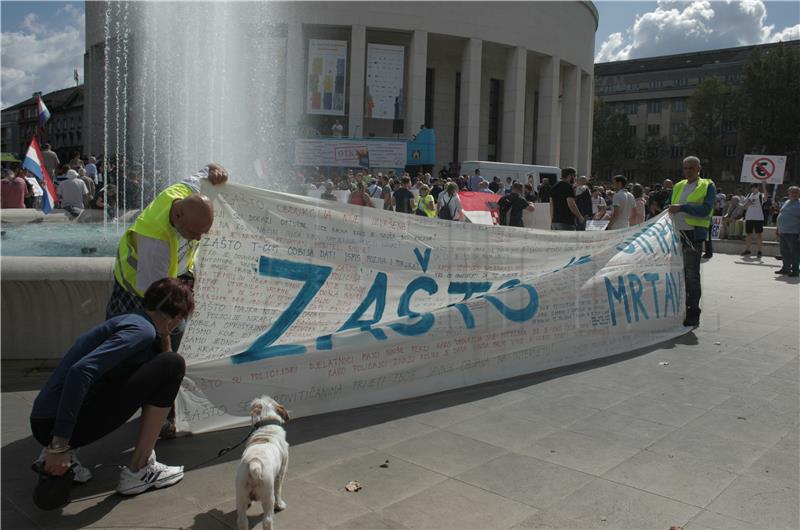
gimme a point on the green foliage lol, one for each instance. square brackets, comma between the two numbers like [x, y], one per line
[610, 139]
[651, 153]
[709, 107]
[770, 101]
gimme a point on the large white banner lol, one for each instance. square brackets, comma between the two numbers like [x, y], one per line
[326, 306]
[384, 97]
[768, 169]
[327, 71]
[350, 153]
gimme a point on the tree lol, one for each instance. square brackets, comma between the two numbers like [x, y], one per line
[770, 102]
[709, 107]
[611, 139]
[651, 153]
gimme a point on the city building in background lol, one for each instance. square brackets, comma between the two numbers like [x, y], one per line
[63, 131]
[654, 94]
[498, 81]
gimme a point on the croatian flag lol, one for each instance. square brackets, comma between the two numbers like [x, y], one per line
[34, 162]
[44, 114]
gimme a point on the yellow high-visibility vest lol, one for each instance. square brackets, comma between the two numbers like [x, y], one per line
[426, 205]
[698, 196]
[152, 222]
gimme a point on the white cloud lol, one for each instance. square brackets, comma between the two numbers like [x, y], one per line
[42, 55]
[679, 27]
[792, 33]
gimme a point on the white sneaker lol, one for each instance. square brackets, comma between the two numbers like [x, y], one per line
[82, 474]
[153, 475]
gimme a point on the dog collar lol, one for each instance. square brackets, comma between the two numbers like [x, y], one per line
[265, 423]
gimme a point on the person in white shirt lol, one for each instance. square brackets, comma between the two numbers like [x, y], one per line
[91, 169]
[73, 193]
[622, 205]
[449, 203]
[754, 220]
[337, 129]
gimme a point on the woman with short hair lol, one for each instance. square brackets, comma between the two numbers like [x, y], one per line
[106, 376]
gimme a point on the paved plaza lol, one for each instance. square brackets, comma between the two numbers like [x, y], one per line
[700, 432]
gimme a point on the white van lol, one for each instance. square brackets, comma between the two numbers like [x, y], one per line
[518, 172]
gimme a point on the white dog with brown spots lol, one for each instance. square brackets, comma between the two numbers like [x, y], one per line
[264, 461]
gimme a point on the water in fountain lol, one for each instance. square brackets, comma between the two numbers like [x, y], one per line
[195, 82]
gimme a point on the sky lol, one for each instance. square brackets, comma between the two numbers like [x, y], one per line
[43, 42]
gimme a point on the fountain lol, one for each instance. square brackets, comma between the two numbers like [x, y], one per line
[172, 102]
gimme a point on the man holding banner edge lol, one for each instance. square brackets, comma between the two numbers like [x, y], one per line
[691, 207]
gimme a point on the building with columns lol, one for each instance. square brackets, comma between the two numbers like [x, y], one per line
[500, 81]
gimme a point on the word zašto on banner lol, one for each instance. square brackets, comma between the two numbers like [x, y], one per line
[327, 306]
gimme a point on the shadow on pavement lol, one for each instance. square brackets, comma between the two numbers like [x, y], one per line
[197, 452]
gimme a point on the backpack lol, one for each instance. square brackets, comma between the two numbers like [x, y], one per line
[505, 211]
[444, 211]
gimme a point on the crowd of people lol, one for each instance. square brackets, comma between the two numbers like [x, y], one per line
[84, 182]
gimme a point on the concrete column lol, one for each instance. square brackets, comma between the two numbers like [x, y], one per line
[587, 116]
[514, 106]
[358, 59]
[570, 117]
[470, 112]
[548, 130]
[295, 74]
[418, 64]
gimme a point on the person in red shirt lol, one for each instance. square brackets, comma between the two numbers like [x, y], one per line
[13, 190]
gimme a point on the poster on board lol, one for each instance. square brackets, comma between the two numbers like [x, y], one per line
[766, 169]
[327, 71]
[350, 153]
[384, 82]
[328, 306]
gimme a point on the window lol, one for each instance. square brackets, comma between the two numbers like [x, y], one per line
[631, 131]
[653, 129]
[632, 107]
[655, 84]
[732, 78]
[72, 123]
[729, 150]
[681, 82]
[495, 112]
[428, 100]
[632, 86]
[457, 118]
[630, 153]
[677, 151]
[654, 107]
[679, 105]
[677, 128]
[78, 136]
[728, 126]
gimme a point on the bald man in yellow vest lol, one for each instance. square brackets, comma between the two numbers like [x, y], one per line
[163, 240]
[692, 206]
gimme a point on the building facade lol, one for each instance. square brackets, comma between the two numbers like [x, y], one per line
[503, 81]
[654, 94]
[63, 131]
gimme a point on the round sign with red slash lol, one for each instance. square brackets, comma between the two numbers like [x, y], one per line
[763, 169]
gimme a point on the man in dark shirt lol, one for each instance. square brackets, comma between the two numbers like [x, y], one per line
[436, 189]
[583, 199]
[495, 185]
[403, 198]
[563, 210]
[512, 206]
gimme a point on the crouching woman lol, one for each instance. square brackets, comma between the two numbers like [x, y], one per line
[107, 375]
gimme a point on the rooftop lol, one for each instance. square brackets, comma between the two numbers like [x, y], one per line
[53, 100]
[683, 60]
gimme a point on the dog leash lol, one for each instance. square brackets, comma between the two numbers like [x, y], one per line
[220, 453]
